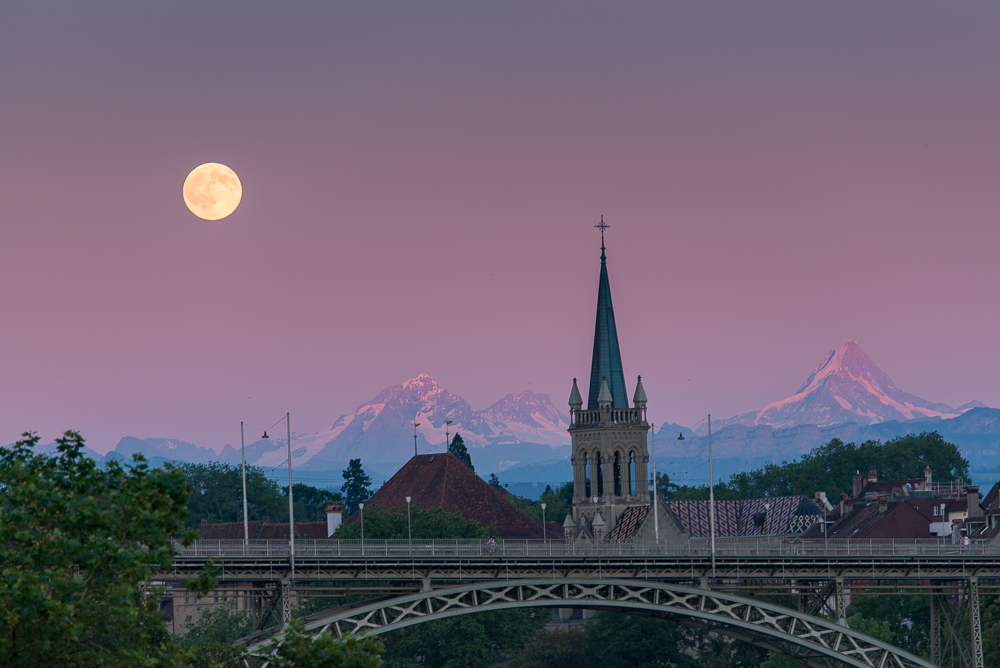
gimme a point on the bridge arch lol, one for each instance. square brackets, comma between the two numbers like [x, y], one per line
[810, 640]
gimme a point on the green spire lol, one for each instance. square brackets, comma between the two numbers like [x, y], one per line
[607, 360]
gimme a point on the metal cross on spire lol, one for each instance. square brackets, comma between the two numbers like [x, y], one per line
[602, 226]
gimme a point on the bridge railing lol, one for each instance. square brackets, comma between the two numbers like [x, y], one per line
[726, 547]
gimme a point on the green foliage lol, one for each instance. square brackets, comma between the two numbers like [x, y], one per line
[217, 494]
[558, 502]
[556, 649]
[832, 466]
[617, 640]
[77, 543]
[427, 524]
[303, 650]
[356, 487]
[664, 488]
[899, 619]
[467, 641]
[457, 448]
[495, 481]
[311, 502]
[211, 638]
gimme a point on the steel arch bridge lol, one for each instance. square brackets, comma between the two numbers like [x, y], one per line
[810, 640]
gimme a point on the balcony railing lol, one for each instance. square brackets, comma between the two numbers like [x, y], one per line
[603, 417]
[724, 547]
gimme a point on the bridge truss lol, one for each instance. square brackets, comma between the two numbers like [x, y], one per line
[436, 581]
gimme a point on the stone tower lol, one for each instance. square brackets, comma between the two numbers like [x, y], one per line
[609, 438]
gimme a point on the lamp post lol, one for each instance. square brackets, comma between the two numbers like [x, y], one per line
[711, 492]
[243, 456]
[362, 507]
[652, 452]
[415, 425]
[291, 501]
[545, 536]
[447, 444]
[409, 527]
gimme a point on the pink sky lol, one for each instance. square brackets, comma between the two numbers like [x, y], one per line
[420, 186]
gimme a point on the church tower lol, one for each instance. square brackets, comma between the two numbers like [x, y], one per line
[609, 438]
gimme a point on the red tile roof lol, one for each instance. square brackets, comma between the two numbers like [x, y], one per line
[901, 519]
[443, 481]
[261, 530]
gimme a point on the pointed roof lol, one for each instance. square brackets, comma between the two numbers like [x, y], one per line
[607, 359]
[443, 481]
[604, 396]
[640, 393]
[574, 396]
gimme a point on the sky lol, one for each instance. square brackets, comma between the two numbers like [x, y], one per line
[421, 182]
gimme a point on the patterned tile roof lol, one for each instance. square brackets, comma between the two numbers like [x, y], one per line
[746, 517]
[443, 481]
[628, 524]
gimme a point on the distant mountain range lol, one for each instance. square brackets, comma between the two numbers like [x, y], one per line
[523, 438]
[846, 387]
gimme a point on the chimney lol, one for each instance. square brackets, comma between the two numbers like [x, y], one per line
[848, 506]
[883, 504]
[927, 477]
[506, 486]
[859, 484]
[972, 492]
[872, 475]
[334, 516]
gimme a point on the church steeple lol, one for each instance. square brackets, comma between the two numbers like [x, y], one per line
[607, 359]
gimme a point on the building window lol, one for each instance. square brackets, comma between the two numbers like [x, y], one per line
[631, 473]
[618, 474]
[586, 476]
[600, 474]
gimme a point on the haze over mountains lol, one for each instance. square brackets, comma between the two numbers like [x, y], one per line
[523, 436]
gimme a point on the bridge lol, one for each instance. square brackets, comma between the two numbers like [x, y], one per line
[419, 581]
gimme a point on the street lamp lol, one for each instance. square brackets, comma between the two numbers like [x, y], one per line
[545, 536]
[246, 523]
[409, 528]
[362, 507]
[415, 425]
[447, 423]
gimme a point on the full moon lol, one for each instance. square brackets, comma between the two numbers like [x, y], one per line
[212, 191]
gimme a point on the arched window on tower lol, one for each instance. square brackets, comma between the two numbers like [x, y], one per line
[631, 473]
[599, 471]
[618, 474]
[586, 475]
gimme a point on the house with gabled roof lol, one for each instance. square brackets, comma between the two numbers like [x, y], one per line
[443, 481]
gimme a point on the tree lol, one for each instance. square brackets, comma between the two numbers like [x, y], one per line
[356, 486]
[217, 494]
[77, 545]
[311, 502]
[457, 448]
[556, 649]
[304, 650]
[477, 640]
[433, 523]
[211, 638]
[664, 488]
[495, 481]
[618, 640]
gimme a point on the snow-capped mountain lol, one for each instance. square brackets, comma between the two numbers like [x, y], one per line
[381, 430]
[847, 386]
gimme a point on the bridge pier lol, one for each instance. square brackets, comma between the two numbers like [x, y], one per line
[286, 602]
[974, 623]
[935, 629]
[840, 602]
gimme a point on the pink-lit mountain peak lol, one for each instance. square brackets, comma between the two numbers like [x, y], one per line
[846, 386]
